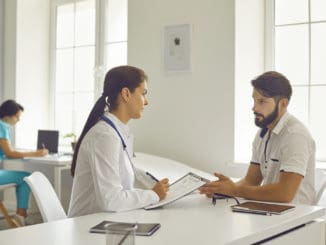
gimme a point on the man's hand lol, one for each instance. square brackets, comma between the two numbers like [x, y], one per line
[224, 185]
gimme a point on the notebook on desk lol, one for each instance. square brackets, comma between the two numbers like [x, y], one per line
[48, 139]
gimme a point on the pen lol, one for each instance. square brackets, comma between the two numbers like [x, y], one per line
[152, 176]
[214, 200]
[218, 196]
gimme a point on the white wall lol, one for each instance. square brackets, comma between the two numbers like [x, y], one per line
[27, 64]
[1, 48]
[249, 47]
[1, 60]
[9, 68]
[190, 117]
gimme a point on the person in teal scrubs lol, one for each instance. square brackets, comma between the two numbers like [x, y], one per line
[10, 112]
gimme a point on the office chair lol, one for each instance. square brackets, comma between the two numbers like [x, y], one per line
[11, 222]
[320, 184]
[45, 196]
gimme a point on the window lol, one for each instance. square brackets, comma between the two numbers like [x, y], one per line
[300, 52]
[295, 37]
[74, 64]
[90, 37]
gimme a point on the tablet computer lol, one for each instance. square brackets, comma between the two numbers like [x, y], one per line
[143, 229]
[261, 208]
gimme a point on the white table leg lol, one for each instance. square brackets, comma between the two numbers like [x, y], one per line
[57, 179]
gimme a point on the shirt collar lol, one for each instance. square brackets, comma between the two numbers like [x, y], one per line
[123, 128]
[280, 125]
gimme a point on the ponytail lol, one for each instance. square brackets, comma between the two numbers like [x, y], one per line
[115, 80]
[92, 119]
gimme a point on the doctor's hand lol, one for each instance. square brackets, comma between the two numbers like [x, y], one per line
[224, 185]
[161, 188]
[41, 152]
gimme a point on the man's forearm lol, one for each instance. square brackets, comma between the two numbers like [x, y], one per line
[271, 192]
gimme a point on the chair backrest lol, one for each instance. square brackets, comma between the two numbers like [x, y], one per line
[320, 184]
[45, 196]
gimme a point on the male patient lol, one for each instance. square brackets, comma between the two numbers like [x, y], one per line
[283, 155]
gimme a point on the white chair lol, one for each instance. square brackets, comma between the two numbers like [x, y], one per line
[45, 196]
[11, 222]
[320, 184]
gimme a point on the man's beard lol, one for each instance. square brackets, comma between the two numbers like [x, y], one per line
[266, 120]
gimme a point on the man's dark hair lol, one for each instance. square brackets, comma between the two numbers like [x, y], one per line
[273, 84]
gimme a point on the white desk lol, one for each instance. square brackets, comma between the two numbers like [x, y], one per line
[59, 163]
[162, 167]
[43, 164]
[191, 220]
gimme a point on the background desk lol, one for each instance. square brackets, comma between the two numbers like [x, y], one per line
[59, 163]
[191, 220]
[52, 166]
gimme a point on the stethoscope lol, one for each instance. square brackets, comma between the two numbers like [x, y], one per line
[124, 145]
[137, 175]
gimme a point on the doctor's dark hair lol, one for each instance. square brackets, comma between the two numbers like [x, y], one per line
[115, 80]
[10, 108]
[273, 84]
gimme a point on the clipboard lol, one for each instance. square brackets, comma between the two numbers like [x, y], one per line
[180, 188]
[261, 208]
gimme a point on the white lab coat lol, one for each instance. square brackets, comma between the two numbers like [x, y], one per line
[104, 177]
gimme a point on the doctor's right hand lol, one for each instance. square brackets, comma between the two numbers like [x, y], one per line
[161, 188]
[41, 152]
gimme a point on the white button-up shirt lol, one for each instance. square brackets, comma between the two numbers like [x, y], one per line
[290, 148]
[104, 177]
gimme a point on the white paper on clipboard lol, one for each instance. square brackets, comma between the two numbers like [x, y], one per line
[180, 188]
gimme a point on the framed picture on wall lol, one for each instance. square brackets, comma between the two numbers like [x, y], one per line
[176, 48]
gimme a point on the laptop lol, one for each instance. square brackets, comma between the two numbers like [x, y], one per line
[48, 139]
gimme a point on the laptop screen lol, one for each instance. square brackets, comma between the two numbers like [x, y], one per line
[48, 139]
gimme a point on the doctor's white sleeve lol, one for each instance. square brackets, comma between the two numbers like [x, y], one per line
[142, 180]
[109, 191]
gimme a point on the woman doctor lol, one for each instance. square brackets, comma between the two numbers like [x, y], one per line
[10, 112]
[104, 176]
